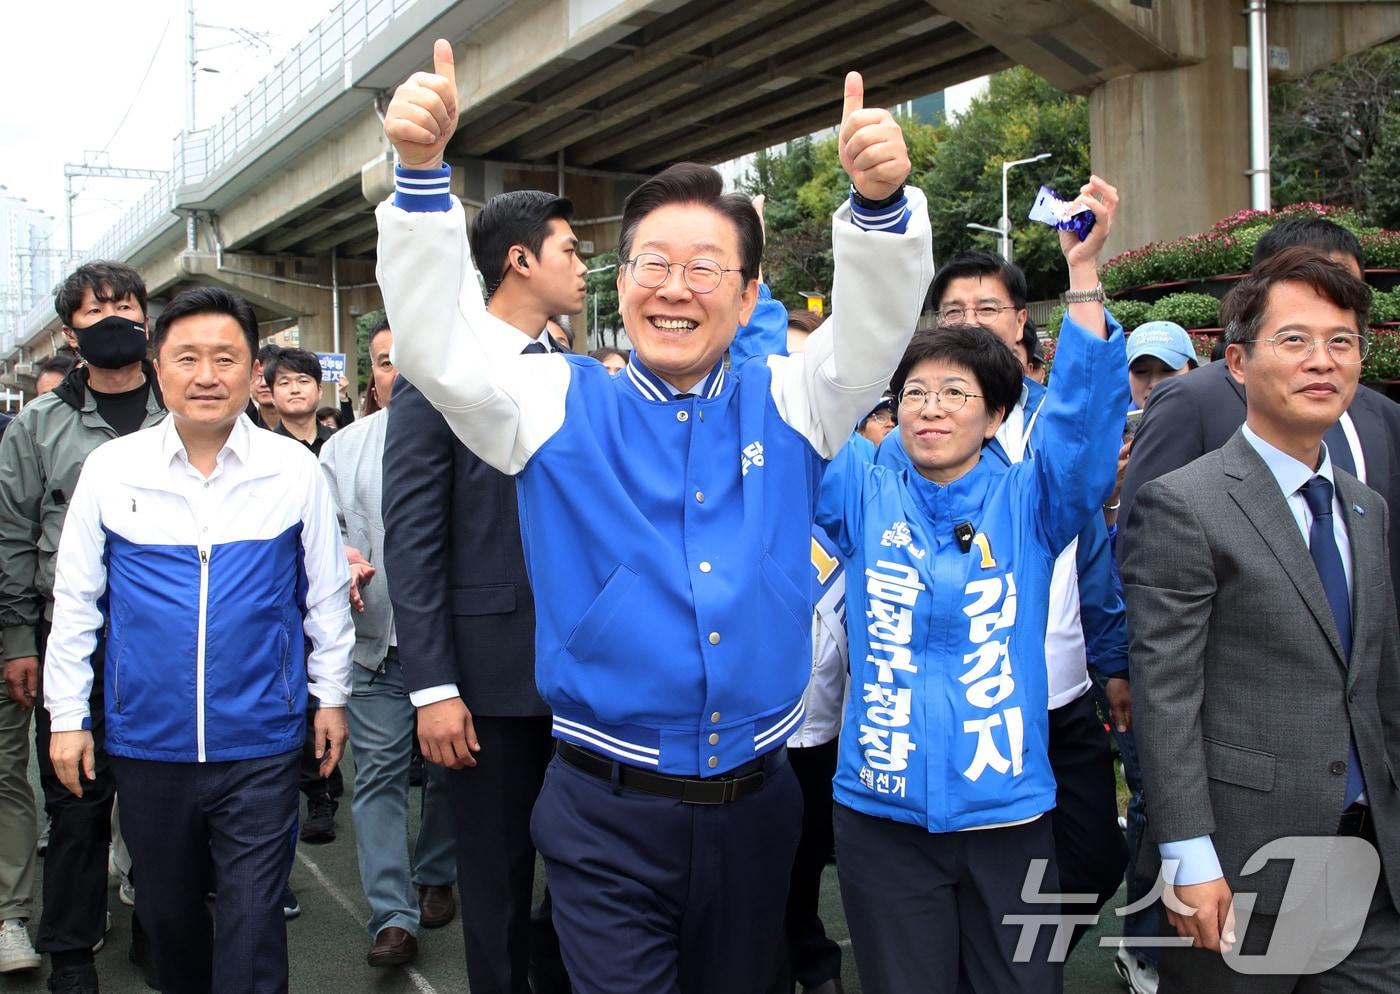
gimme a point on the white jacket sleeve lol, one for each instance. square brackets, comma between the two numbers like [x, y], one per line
[463, 359]
[881, 280]
[80, 580]
[328, 623]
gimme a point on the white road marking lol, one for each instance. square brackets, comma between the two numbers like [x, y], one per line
[419, 981]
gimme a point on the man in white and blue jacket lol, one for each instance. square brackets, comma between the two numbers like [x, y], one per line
[665, 515]
[203, 553]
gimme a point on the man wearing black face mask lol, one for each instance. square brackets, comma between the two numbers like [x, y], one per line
[103, 307]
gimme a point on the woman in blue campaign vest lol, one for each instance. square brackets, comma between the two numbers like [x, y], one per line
[943, 775]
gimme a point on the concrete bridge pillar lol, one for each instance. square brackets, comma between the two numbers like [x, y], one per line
[297, 289]
[1176, 141]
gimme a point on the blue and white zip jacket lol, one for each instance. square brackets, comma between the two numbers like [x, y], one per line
[1087, 627]
[202, 589]
[946, 723]
[668, 539]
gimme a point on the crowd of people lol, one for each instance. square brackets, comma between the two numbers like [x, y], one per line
[683, 621]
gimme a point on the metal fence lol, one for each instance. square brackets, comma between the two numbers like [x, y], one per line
[345, 30]
[350, 26]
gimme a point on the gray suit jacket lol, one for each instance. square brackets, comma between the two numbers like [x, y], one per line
[1191, 415]
[1241, 696]
[353, 460]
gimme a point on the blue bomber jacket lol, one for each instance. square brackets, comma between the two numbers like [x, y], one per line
[946, 723]
[667, 533]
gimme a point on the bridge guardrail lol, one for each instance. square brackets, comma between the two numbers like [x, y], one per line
[349, 26]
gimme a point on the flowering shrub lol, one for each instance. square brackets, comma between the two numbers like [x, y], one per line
[1385, 306]
[1190, 310]
[1382, 248]
[1383, 361]
[1130, 314]
[1228, 247]
[1204, 345]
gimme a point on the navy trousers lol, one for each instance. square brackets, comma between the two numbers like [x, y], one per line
[653, 896]
[234, 823]
[813, 958]
[928, 911]
[1089, 846]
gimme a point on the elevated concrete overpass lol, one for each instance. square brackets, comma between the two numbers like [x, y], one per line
[589, 96]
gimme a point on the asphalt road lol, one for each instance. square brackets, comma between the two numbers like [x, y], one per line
[328, 941]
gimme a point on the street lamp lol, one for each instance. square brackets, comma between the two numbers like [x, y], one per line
[1006, 167]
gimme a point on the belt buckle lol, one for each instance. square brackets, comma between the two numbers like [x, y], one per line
[702, 792]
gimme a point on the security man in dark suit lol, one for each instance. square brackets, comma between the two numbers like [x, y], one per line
[1191, 415]
[465, 614]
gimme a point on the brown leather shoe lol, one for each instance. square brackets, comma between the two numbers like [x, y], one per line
[393, 946]
[436, 905]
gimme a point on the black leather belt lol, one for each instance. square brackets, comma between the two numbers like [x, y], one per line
[737, 783]
[1356, 820]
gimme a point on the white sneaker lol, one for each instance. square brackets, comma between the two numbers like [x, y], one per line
[97, 946]
[1140, 975]
[16, 951]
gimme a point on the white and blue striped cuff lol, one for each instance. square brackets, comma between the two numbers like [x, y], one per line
[423, 189]
[894, 218]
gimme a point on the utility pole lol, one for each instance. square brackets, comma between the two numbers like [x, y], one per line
[72, 169]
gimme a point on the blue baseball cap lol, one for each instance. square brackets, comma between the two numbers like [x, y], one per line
[1163, 340]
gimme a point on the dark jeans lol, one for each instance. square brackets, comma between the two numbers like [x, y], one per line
[74, 915]
[811, 957]
[235, 822]
[654, 896]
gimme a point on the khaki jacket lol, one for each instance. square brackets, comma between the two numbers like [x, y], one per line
[41, 455]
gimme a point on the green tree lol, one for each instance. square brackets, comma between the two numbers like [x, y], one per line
[1381, 174]
[1333, 134]
[957, 164]
[602, 298]
[797, 253]
[363, 324]
[1019, 116]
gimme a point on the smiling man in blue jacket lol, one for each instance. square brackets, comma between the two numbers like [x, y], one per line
[666, 521]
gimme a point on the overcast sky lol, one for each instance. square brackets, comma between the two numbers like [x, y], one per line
[81, 76]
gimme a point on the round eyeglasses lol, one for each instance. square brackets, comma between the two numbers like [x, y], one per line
[950, 399]
[1294, 346]
[983, 313]
[650, 270]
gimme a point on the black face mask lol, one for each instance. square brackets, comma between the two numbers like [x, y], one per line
[112, 343]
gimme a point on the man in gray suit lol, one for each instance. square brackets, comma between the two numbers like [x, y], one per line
[382, 717]
[1264, 646]
[1191, 415]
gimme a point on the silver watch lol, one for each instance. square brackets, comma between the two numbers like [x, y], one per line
[1095, 295]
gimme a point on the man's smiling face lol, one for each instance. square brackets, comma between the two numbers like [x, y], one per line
[680, 334]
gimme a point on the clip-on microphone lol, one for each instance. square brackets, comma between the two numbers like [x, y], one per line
[964, 533]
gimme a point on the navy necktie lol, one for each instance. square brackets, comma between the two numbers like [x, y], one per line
[1322, 543]
[1339, 448]
[534, 348]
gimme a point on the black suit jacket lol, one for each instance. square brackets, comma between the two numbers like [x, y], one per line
[1191, 415]
[463, 609]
